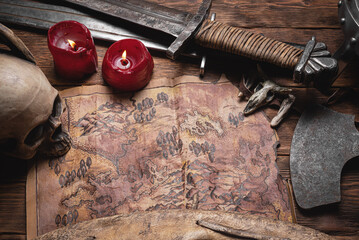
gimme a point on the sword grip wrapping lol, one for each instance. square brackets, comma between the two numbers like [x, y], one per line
[234, 40]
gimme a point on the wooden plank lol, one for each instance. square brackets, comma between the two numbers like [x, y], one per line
[164, 67]
[285, 20]
[332, 37]
[7, 236]
[283, 165]
[268, 13]
[12, 197]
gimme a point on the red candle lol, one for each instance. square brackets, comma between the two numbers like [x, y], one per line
[127, 65]
[73, 49]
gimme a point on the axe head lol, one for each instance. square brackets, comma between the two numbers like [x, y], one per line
[323, 141]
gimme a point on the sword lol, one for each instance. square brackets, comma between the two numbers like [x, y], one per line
[312, 62]
[43, 16]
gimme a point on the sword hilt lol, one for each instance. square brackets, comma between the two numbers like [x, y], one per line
[312, 62]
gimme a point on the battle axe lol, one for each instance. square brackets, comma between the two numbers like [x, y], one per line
[323, 141]
[309, 63]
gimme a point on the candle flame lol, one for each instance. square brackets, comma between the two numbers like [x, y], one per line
[124, 54]
[72, 43]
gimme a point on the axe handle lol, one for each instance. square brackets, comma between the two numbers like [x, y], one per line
[234, 40]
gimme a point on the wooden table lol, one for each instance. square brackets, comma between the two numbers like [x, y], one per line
[289, 20]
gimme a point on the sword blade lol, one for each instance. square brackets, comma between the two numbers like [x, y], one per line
[167, 20]
[43, 16]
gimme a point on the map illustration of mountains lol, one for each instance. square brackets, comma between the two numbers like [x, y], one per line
[177, 144]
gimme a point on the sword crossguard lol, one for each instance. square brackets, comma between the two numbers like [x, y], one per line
[175, 49]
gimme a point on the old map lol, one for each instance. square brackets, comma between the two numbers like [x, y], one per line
[180, 143]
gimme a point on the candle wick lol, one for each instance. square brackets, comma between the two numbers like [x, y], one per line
[72, 44]
[124, 62]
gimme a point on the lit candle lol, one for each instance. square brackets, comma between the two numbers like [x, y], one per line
[127, 65]
[73, 49]
[123, 62]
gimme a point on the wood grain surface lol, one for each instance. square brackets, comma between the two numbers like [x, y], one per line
[285, 20]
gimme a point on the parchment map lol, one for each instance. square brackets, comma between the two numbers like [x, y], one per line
[177, 144]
